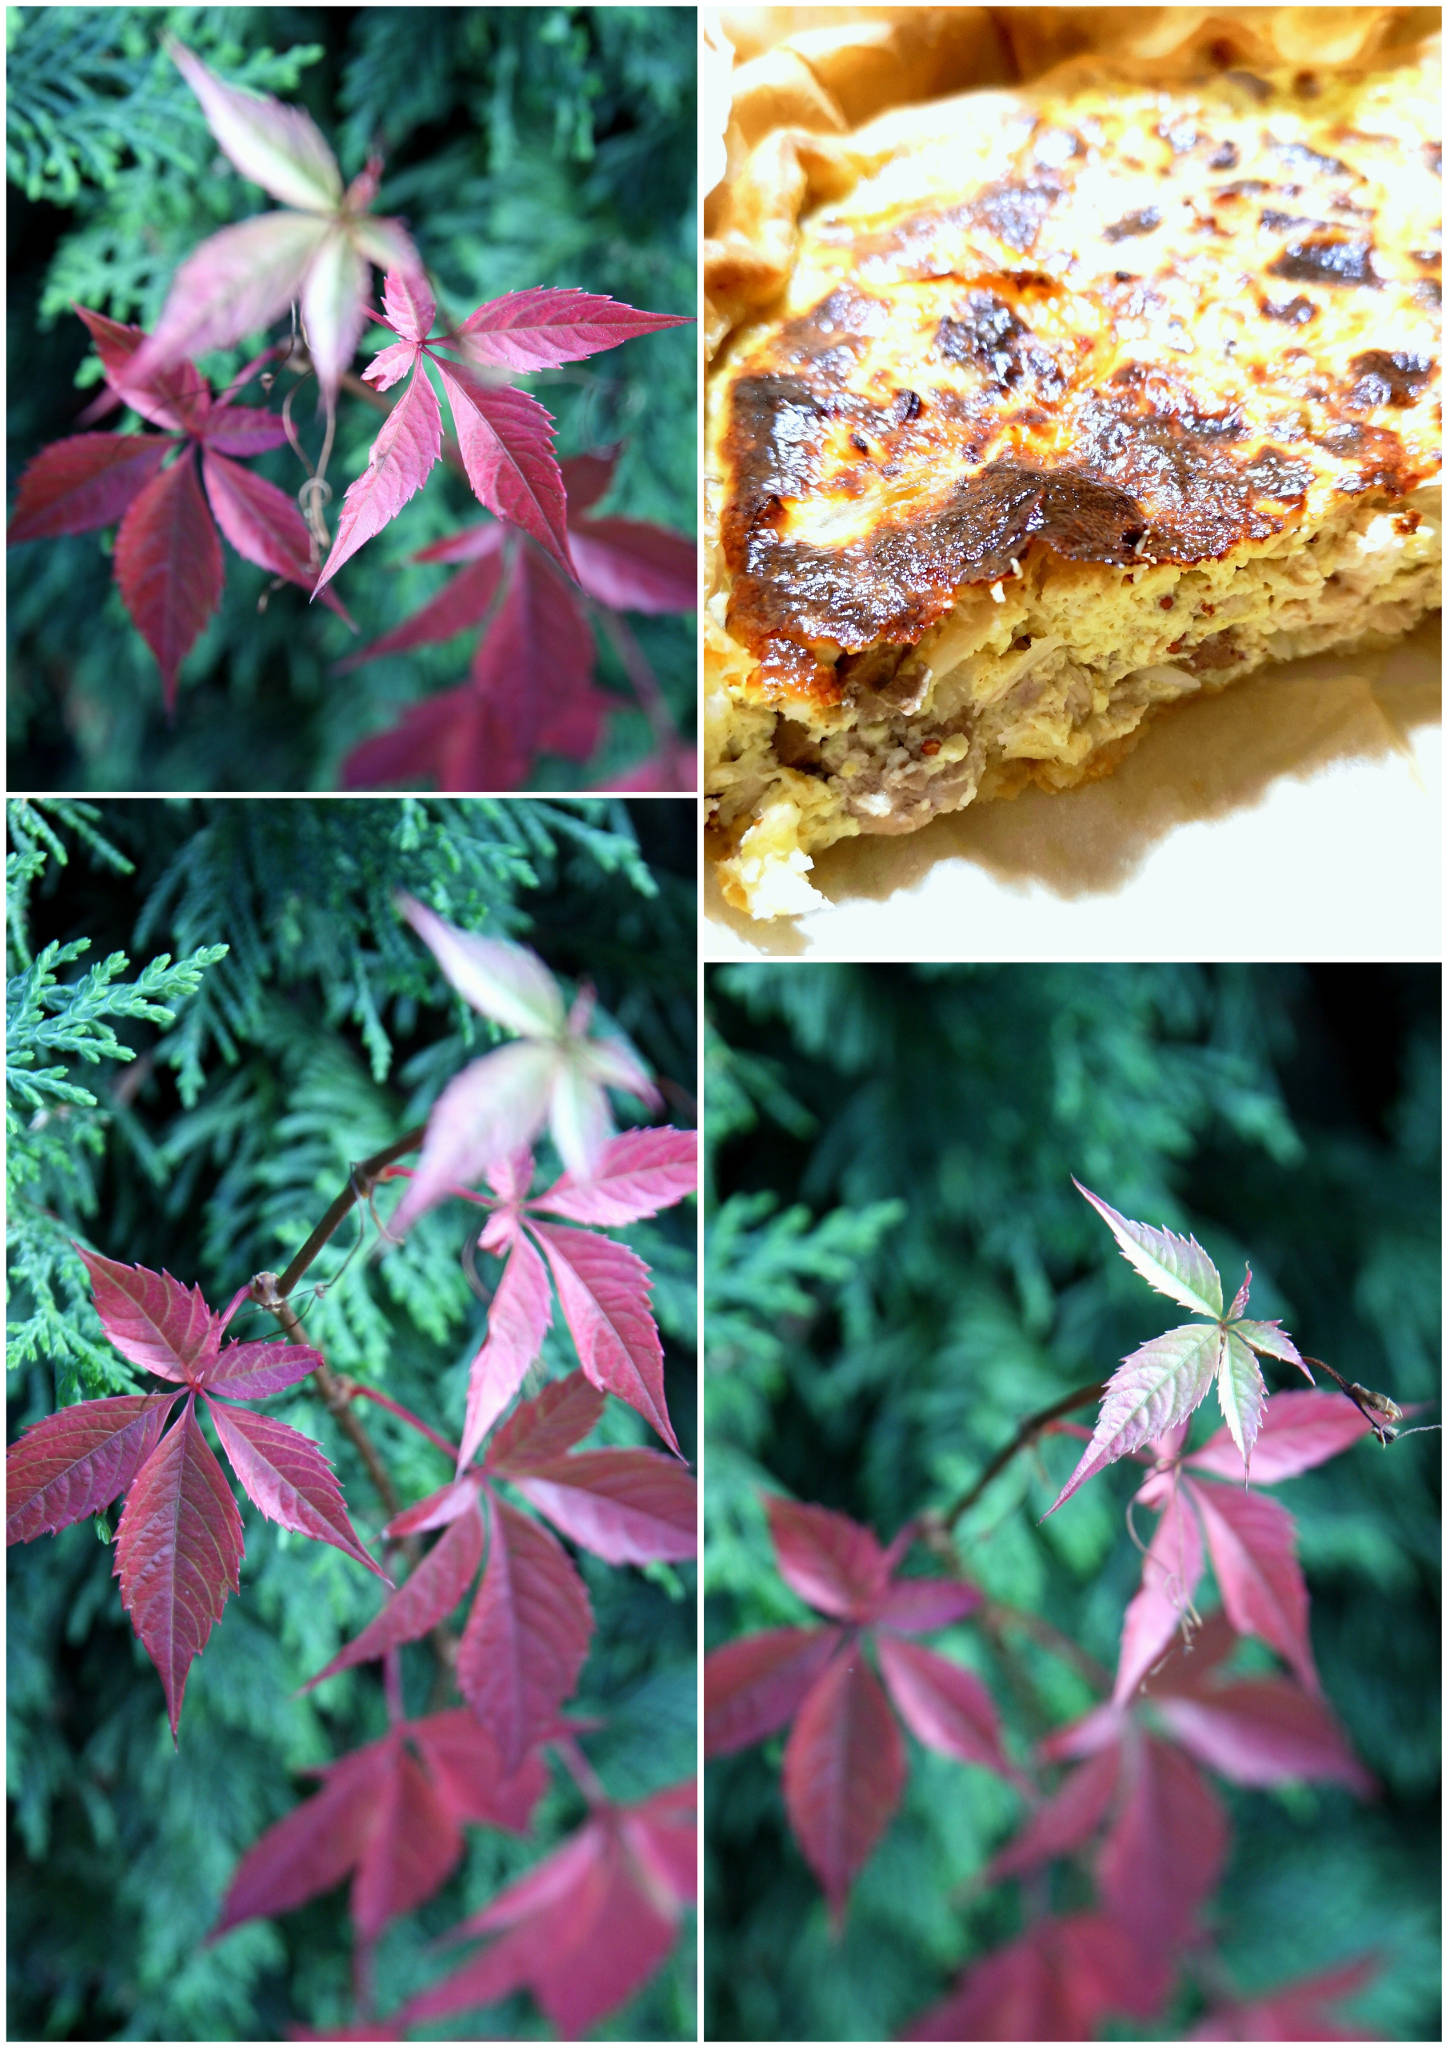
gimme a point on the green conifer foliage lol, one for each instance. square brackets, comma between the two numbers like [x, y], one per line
[899, 1272]
[263, 1019]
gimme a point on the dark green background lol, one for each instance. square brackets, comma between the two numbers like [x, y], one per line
[523, 147]
[325, 1031]
[873, 1359]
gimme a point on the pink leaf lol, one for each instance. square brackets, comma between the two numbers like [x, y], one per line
[76, 1462]
[638, 1173]
[1174, 1266]
[1165, 1853]
[461, 604]
[242, 430]
[279, 148]
[178, 1553]
[498, 977]
[248, 1372]
[334, 296]
[88, 481]
[662, 1833]
[289, 1478]
[238, 281]
[152, 1319]
[409, 304]
[1299, 1431]
[1241, 1394]
[943, 1705]
[463, 1762]
[1148, 1394]
[411, 1848]
[634, 567]
[1061, 1824]
[435, 1510]
[829, 1560]
[603, 1289]
[403, 453]
[1254, 1554]
[1057, 1982]
[586, 478]
[425, 1598]
[626, 1506]
[492, 1108]
[506, 440]
[526, 1637]
[172, 397]
[755, 1685]
[538, 329]
[307, 1852]
[917, 1605]
[1262, 1731]
[844, 1771]
[1274, 1340]
[168, 566]
[1170, 1571]
[519, 1315]
[389, 366]
[540, 1430]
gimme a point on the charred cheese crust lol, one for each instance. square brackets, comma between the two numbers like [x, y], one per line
[1079, 400]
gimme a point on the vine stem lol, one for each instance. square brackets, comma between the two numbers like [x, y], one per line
[1029, 1430]
[359, 1186]
[354, 1390]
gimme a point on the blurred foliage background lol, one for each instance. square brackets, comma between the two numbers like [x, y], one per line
[310, 1028]
[523, 146]
[899, 1272]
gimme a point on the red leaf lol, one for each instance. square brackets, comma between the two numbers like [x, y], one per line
[461, 604]
[88, 481]
[635, 567]
[411, 1847]
[242, 430]
[1254, 1554]
[247, 1372]
[405, 450]
[1149, 1393]
[408, 302]
[1300, 1430]
[755, 1685]
[1295, 2012]
[544, 1428]
[1060, 1824]
[289, 1478]
[1057, 1982]
[178, 1553]
[603, 1289]
[518, 1316]
[1262, 1731]
[463, 1761]
[526, 1637]
[538, 329]
[639, 1173]
[1165, 1852]
[76, 1462]
[436, 1510]
[308, 1851]
[673, 769]
[827, 1559]
[844, 1770]
[1170, 1571]
[627, 1507]
[916, 1605]
[429, 1594]
[506, 441]
[175, 396]
[153, 1320]
[943, 1705]
[433, 742]
[663, 1835]
[261, 522]
[587, 477]
[168, 566]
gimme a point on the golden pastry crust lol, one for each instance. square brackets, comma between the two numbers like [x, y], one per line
[1068, 401]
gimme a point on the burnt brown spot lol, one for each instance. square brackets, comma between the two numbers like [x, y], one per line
[1015, 212]
[1134, 224]
[1380, 458]
[1312, 161]
[1275, 474]
[1387, 379]
[1277, 223]
[1295, 312]
[1224, 157]
[1322, 259]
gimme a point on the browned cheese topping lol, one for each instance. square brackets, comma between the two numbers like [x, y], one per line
[1165, 325]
